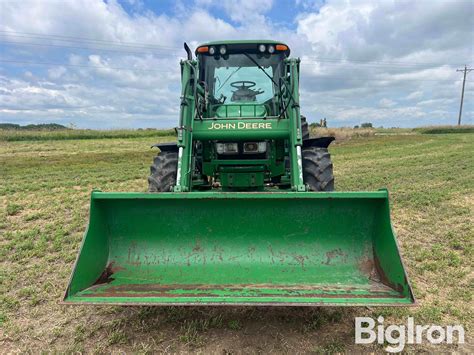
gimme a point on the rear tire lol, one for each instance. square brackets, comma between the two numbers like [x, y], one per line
[163, 172]
[318, 169]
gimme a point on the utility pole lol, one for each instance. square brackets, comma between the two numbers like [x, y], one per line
[465, 70]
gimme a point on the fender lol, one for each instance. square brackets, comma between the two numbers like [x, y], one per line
[166, 147]
[320, 142]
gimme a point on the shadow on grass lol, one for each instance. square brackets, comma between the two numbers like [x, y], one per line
[192, 327]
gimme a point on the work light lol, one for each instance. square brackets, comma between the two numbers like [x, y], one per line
[262, 48]
[212, 50]
[271, 49]
[255, 147]
[227, 148]
[222, 50]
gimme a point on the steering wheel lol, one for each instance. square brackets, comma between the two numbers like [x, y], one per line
[243, 85]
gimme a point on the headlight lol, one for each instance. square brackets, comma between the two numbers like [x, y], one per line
[212, 50]
[227, 148]
[222, 50]
[262, 48]
[271, 49]
[255, 147]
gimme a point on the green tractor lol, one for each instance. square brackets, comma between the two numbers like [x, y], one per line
[241, 210]
[241, 117]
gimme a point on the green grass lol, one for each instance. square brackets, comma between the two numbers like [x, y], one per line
[68, 134]
[446, 129]
[331, 348]
[13, 209]
[44, 200]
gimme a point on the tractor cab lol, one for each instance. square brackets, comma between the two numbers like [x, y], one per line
[242, 79]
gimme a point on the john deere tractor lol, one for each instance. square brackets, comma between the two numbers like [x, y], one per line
[241, 209]
[240, 126]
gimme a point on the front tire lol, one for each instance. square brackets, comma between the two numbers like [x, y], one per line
[318, 169]
[163, 172]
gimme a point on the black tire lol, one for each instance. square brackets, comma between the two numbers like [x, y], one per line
[304, 128]
[163, 172]
[317, 169]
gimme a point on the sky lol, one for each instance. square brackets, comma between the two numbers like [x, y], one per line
[115, 64]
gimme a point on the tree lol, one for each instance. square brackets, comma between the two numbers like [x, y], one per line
[366, 125]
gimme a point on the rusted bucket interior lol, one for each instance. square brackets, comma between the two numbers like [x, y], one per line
[260, 248]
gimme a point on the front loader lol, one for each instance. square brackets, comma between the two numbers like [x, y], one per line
[241, 210]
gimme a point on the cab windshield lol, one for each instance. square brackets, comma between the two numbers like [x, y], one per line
[236, 79]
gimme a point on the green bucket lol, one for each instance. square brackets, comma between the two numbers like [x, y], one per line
[216, 248]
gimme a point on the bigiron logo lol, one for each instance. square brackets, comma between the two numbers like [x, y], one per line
[241, 125]
[400, 335]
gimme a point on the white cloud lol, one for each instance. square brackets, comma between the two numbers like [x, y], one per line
[382, 29]
[386, 103]
[56, 72]
[415, 95]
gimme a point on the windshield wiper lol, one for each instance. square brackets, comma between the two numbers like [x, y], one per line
[260, 67]
[273, 81]
[226, 80]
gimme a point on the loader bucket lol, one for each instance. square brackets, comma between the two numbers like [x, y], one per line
[281, 248]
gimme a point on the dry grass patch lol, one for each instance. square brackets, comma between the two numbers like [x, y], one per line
[342, 134]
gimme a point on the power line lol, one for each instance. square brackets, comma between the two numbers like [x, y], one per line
[168, 53]
[160, 47]
[373, 61]
[87, 48]
[81, 66]
[370, 64]
[348, 78]
[83, 39]
[165, 71]
[465, 70]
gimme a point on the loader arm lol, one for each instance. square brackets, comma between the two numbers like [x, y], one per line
[296, 138]
[186, 124]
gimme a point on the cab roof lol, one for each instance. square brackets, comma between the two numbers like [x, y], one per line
[242, 43]
[248, 41]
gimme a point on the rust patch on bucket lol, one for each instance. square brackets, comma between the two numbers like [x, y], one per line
[383, 277]
[242, 290]
[106, 276]
[330, 255]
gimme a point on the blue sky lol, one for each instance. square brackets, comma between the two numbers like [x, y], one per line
[114, 64]
[281, 12]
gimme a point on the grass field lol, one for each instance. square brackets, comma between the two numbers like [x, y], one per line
[11, 135]
[44, 195]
